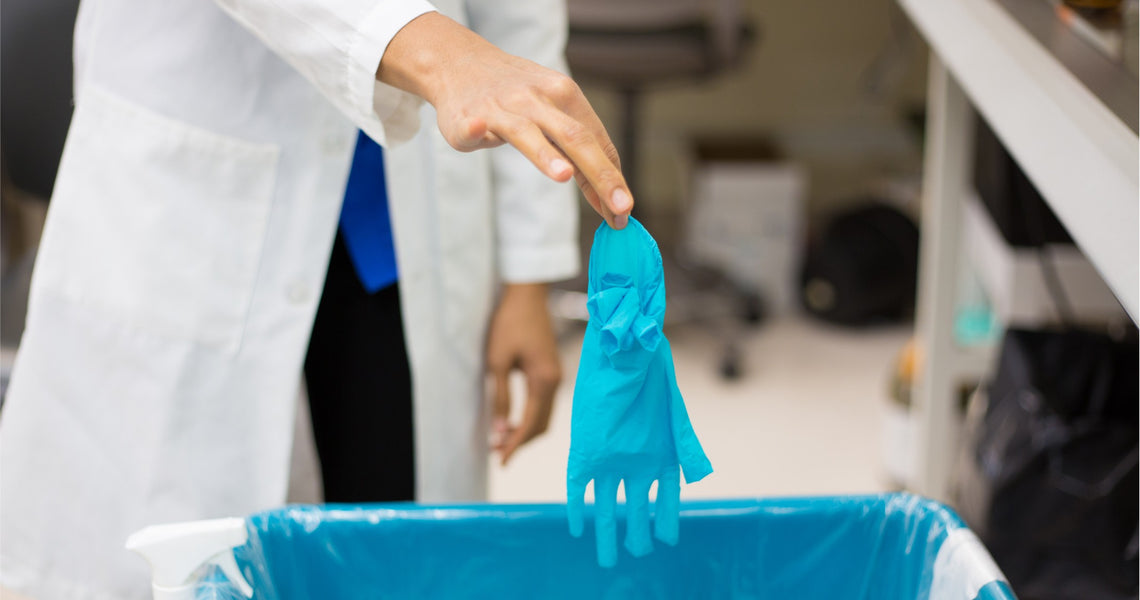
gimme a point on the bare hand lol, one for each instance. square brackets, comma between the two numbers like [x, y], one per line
[484, 97]
[521, 337]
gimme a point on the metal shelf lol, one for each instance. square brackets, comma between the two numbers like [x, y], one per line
[1079, 154]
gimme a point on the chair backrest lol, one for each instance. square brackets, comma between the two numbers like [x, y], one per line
[633, 42]
[636, 14]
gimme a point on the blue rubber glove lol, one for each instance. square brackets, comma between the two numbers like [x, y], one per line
[629, 421]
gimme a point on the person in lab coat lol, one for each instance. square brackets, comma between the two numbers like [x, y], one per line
[188, 237]
[524, 226]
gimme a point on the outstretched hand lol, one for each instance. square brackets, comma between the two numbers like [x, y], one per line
[485, 97]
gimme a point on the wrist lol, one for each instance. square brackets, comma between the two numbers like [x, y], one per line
[530, 290]
[419, 55]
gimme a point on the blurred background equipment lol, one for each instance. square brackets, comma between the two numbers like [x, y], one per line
[1107, 25]
[863, 267]
[1029, 226]
[1048, 477]
[1076, 142]
[1024, 258]
[899, 443]
[746, 218]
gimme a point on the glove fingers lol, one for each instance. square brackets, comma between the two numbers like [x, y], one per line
[575, 501]
[605, 519]
[637, 539]
[666, 519]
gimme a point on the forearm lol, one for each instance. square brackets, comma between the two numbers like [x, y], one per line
[421, 52]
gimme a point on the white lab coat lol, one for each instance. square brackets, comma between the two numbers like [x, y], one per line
[184, 254]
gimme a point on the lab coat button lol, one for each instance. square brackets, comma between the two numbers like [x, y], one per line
[297, 293]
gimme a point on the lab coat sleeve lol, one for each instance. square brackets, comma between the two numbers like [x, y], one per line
[536, 218]
[337, 46]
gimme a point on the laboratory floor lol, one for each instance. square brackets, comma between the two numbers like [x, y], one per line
[806, 417]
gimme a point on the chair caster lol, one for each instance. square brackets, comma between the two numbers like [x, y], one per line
[730, 369]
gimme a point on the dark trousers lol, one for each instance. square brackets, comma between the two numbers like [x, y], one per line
[360, 389]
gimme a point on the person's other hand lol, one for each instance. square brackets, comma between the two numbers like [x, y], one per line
[522, 337]
[484, 97]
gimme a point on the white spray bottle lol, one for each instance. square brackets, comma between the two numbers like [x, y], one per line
[180, 552]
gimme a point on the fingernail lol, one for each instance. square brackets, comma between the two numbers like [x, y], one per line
[621, 200]
[621, 221]
[558, 166]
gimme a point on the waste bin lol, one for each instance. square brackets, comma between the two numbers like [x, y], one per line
[880, 547]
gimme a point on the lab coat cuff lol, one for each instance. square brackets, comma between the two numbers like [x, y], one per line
[395, 108]
[539, 265]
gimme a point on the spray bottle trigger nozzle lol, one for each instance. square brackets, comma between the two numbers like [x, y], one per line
[228, 564]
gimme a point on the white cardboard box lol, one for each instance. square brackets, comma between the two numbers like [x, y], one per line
[746, 219]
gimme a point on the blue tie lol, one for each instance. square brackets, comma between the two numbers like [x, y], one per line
[364, 220]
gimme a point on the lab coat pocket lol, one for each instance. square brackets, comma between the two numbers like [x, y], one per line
[156, 223]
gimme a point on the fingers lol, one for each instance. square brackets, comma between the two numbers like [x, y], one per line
[542, 381]
[500, 406]
[524, 135]
[605, 519]
[599, 172]
[637, 516]
[549, 136]
[579, 109]
[667, 514]
[592, 197]
[575, 505]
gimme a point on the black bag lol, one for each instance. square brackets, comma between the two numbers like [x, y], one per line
[864, 267]
[1049, 475]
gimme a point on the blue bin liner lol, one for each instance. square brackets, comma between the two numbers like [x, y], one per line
[879, 547]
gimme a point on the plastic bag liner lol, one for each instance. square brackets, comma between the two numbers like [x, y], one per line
[1049, 474]
[893, 546]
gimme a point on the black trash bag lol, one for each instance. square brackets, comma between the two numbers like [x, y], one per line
[1048, 478]
[864, 267]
